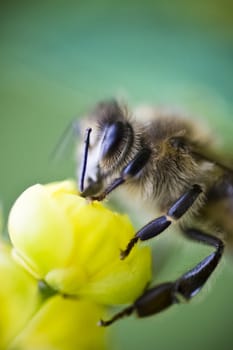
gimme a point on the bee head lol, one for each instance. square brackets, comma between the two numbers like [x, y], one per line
[107, 144]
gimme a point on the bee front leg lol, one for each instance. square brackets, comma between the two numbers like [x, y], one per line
[158, 225]
[159, 298]
[131, 170]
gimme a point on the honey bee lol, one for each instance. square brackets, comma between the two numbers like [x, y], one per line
[174, 169]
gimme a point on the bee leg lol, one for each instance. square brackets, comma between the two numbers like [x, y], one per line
[151, 302]
[160, 297]
[130, 170]
[158, 225]
[191, 282]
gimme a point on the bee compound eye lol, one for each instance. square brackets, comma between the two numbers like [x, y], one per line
[112, 138]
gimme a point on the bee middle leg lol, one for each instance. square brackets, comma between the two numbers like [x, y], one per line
[160, 297]
[158, 225]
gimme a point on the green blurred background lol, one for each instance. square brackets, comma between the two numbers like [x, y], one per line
[58, 58]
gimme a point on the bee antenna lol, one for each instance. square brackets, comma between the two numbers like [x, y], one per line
[85, 156]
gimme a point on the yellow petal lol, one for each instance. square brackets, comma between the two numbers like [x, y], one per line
[120, 282]
[40, 231]
[19, 297]
[64, 324]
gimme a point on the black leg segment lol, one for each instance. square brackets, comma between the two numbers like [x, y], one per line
[184, 202]
[161, 297]
[131, 170]
[191, 282]
[157, 226]
[152, 229]
[137, 164]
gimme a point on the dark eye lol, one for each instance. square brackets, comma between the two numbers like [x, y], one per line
[112, 138]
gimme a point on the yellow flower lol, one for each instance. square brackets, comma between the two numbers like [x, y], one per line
[63, 324]
[74, 245]
[19, 297]
[29, 322]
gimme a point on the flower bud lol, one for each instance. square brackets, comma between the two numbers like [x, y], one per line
[74, 245]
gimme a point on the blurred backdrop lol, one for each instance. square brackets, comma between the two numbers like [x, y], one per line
[59, 57]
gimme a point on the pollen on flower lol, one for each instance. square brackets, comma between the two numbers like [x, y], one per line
[74, 245]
